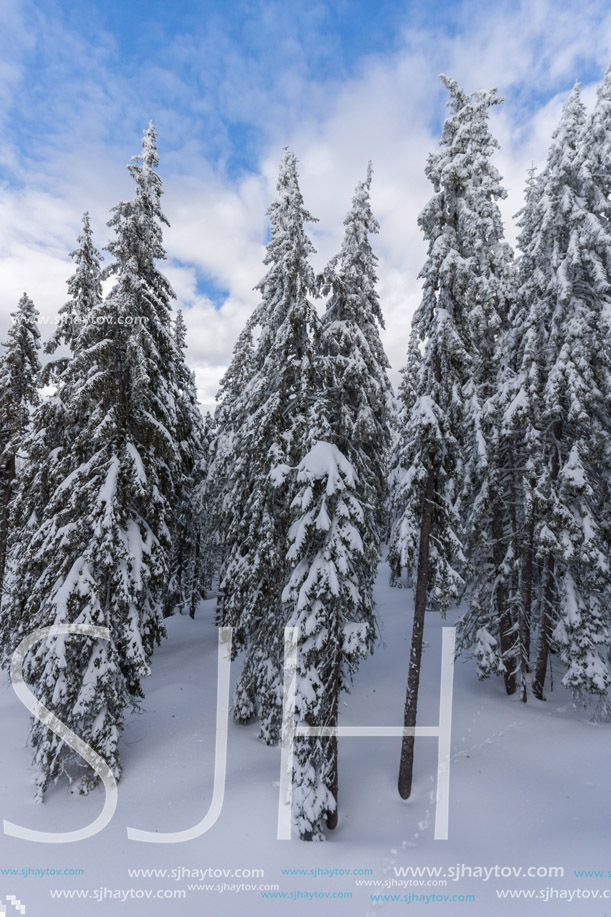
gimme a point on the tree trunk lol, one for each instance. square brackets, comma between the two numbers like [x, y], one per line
[406, 765]
[504, 612]
[549, 587]
[527, 587]
[331, 750]
[332, 817]
[195, 586]
[5, 506]
[546, 631]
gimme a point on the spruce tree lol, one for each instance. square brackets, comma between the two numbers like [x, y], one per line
[596, 176]
[19, 371]
[85, 288]
[230, 415]
[354, 364]
[569, 247]
[189, 571]
[273, 408]
[402, 407]
[488, 500]
[95, 539]
[338, 511]
[554, 399]
[329, 598]
[519, 399]
[445, 423]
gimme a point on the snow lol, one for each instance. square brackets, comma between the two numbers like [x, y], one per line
[136, 550]
[528, 787]
[138, 465]
[426, 411]
[355, 638]
[517, 406]
[324, 460]
[323, 523]
[109, 487]
[279, 474]
[69, 585]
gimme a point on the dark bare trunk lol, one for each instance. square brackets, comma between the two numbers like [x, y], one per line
[406, 766]
[5, 506]
[545, 633]
[504, 612]
[331, 743]
[332, 817]
[332, 758]
[549, 589]
[527, 588]
[195, 586]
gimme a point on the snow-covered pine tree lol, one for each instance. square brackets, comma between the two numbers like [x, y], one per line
[43, 476]
[274, 411]
[596, 175]
[568, 291]
[19, 371]
[189, 571]
[96, 548]
[404, 402]
[519, 397]
[85, 288]
[329, 598]
[229, 417]
[487, 500]
[445, 423]
[354, 364]
[338, 511]
[150, 369]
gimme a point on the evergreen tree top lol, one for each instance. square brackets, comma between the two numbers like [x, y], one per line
[466, 183]
[599, 127]
[603, 92]
[25, 317]
[84, 287]
[567, 137]
[351, 274]
[23, 340]
[467, 273]
[289, 246]
[148, 183]
[596, 153]
[285, 314]
[553, 198]
[180, 331]
[523, 217]
[466, 138]
[139, 239]
[19, 369]
[149, 156]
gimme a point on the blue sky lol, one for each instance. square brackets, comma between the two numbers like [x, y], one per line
[228, 85]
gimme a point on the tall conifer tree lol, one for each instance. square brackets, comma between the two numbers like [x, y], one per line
[189, 569]
[488, 500]
[85, 288]
[274, 410]
[95, 539]
[445, 421]
[568, 245]
[19, 371]
[338, 511]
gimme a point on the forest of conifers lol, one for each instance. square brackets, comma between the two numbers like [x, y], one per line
[487, 477]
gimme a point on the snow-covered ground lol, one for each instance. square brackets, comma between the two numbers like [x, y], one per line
[529, 788]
